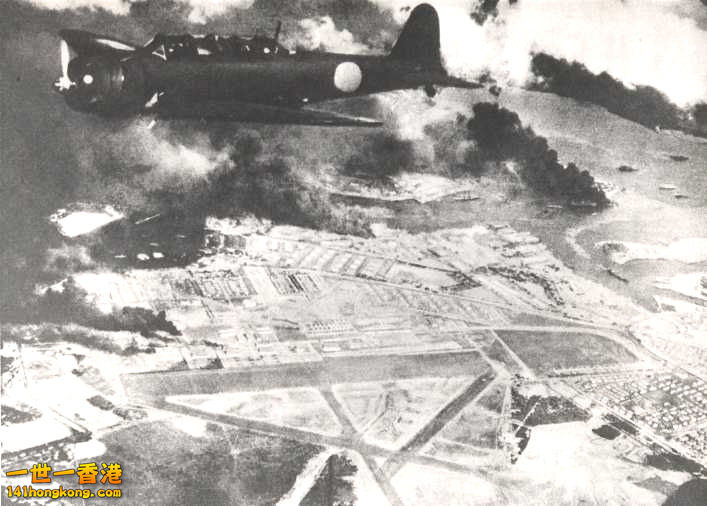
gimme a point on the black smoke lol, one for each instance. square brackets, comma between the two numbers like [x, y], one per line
[122, 343]
[272, 187]
[494, 135]
[70, 304]
[484, 10]
[500, 135]
[453, 148]
[699, 113]
[643, 104]
[381, 156]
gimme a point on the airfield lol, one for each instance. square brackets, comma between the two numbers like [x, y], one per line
[383, 367]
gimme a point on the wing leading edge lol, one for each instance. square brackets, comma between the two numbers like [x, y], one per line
[258, 113]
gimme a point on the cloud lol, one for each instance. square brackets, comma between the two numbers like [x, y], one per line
[114, 6]
[202, 10]
[321, 33]
[647, 42]
[172, 160]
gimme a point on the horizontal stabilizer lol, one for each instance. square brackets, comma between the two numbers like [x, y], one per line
[455, 82]
[257, 113]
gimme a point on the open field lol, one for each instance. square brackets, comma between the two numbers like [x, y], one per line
[302, 408]
[204, 463]
[492, 399]
[389, 414]
[422, 485]
[474, 426]
[545, 351]
[497, 352]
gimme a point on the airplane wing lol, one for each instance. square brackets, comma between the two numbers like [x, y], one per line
[257, 113]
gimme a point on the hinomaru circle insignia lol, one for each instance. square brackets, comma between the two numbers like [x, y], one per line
[347, 77]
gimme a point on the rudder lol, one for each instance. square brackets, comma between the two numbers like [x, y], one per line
[419, 39]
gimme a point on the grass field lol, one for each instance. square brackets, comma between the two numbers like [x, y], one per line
[390, 413]
[163, 465]
[475, 426]
[495, 351]
[544, 351]
[302, 408]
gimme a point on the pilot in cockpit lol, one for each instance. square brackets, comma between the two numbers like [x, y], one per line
[173, 47]
[180, 47]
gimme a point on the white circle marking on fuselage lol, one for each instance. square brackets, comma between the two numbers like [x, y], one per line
[347, 77]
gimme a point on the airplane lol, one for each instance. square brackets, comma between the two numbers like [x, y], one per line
[242, 79]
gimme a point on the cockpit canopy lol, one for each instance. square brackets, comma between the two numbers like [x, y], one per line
[180, 47]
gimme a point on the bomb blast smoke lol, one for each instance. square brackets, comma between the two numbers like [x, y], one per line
[642, 104]
[500, 135]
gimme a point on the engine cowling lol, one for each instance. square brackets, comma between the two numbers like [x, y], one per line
[104, 85]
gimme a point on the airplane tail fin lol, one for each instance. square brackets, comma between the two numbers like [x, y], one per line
[419, 39]
[419, 43]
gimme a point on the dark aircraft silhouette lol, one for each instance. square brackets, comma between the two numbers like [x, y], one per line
[243, 79]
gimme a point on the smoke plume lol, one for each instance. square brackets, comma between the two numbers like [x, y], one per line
[484, 10]
[273, 188]
[199, 11]
[642, 104]
[381, 156]
[499, 135]
[69, 303]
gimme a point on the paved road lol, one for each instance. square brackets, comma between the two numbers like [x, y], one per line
[338, 410]
[319, 374]
[526, 370]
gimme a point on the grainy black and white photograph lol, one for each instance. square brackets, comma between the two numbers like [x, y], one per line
[353, 252]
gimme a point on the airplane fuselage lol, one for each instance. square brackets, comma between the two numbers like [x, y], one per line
[290, 80]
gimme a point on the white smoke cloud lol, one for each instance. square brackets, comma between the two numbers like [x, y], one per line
[321, 33]
[201, 10]
[115, 6]
[172, 163]
[657, 43]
